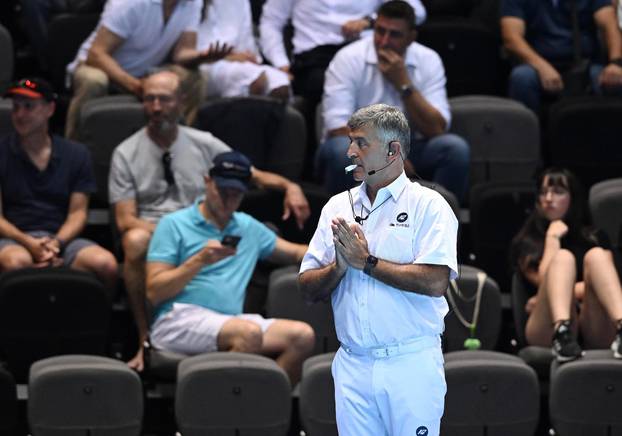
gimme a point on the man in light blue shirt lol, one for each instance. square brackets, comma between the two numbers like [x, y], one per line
[384, 253]
[199, 263]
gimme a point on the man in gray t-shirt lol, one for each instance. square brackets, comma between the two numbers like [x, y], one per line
[160, 169]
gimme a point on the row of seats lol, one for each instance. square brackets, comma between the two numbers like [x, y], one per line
[489, 394]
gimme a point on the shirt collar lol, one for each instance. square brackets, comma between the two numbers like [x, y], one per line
[371, 57]
[17, 149]
[393, 189]
[199, 220]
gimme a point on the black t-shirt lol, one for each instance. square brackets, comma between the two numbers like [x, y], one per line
[39, 200]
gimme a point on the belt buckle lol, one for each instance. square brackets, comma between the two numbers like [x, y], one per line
[382, 352]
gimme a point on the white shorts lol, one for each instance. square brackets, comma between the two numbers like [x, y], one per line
[233, 79]
[191, 329]
[399, 395]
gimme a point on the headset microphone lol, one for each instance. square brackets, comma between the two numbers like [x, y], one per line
[372, 172]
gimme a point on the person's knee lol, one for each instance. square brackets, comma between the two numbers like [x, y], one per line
[14, 260]
[90, 82]
[98, 260]
[595, 256]
[281, 93]
[249, 338]
[457, 148]
[259, 85]
[524, 76]
[302, 337]
[135, 243]
[563, 259]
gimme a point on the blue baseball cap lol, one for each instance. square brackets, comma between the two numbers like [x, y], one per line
[231, 169]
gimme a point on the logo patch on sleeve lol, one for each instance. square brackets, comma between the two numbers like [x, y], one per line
[422, 431]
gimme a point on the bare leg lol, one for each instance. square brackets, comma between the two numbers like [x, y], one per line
[554, 300]
[602, 304]
[258, 87]
[282, 93]
[14, 257]
[293, 341]
[240, 335]
[135, 243]
[100, 262]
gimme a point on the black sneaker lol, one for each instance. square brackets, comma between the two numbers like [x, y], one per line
[565, 346]
[616, 346]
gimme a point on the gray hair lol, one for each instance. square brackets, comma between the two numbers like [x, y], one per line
[388, 124]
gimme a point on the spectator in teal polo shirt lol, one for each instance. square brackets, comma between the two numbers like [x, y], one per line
[197, 280]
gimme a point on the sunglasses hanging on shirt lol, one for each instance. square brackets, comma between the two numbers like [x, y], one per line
[168, 171]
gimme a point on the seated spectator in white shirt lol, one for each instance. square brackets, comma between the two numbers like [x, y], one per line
[392, 68]
[132, 37]
[321, 28]
[241, 72]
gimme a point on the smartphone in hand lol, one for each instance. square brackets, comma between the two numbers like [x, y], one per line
[230, 240]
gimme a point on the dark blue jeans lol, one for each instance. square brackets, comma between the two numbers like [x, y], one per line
[443, 159]
[525, 85]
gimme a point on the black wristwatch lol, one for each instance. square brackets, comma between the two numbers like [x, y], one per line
[406, 90]
[616, 61]
[370, 264]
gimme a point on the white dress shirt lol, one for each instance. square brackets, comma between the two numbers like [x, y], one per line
[414, 226]
[147, 40]
[230, 21]
[353, 81]
[316, 23]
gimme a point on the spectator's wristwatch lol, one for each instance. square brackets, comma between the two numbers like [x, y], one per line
[616, 61]
[406, 90]
[370, 264]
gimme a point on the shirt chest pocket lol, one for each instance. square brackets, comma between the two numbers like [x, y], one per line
[395, 245]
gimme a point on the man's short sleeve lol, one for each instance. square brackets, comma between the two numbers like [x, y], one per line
[83, 177]
[120, 181]
[514, 8]
[121, 17]
[195, 20]
[165, 243]
[321, 249]
[264, 238]
[436, 240]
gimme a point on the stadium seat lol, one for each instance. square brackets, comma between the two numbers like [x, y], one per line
[8, 404]
[270, 133]
[79, 395]
[6, 125]
[104, 123]
[586, 395]
[605, 202]
[7, 56]
[504, 137]
[498, 210]
[470, 54]
[584, 136]
[226, 393]
[285, 301]
[317, 396]
[52, 311]
[66, 32]
[489, 394]
[463, 302]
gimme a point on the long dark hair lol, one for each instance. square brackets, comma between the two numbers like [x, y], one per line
[529, 241]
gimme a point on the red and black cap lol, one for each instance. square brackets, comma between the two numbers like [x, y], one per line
[34, 88]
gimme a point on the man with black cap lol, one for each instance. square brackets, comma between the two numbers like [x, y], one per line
[199, 263]
[45, 182]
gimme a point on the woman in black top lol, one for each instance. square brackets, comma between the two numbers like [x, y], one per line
[578, 287]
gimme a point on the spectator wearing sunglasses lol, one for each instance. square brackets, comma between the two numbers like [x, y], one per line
[159, 170]
[45, 182]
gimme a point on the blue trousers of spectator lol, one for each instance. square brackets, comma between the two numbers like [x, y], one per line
[443, 159]
[525, 85]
